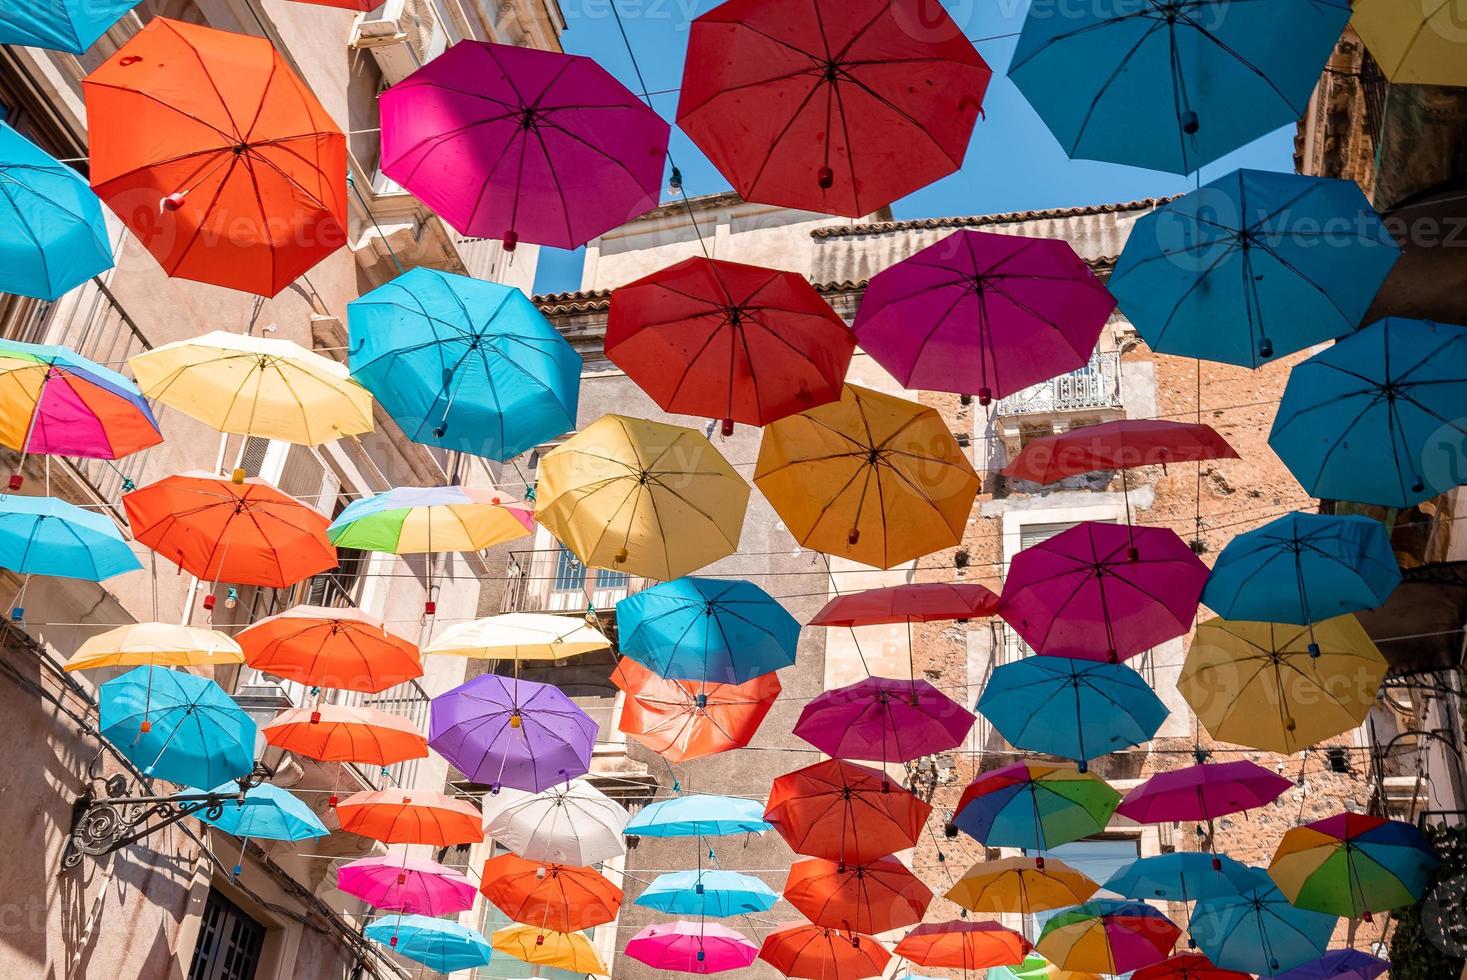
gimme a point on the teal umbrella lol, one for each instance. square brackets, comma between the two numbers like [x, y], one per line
[62, 25]
[267, 812]
[177, 726]
[46, 536]
[699, 816]
[708, 892]
[439, 944]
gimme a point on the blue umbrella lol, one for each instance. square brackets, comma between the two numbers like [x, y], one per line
[1185, 876]
[267, 812]
[1379, 417]
[52, 237]
[439, 944]
[46, 536]
[703, 629]
[1338, 964]
[62, 25]
[1172, 85]
[1253, 266]
[714, 893]
[464, 364]
[1259, 931]
[699, 816]
[1075, 709]
[1303, 568]
[177, 726]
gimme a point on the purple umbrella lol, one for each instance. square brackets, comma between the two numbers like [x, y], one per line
[884, 720]
[1102, 591]
[985, 314]
[507, 732]
[1202, 792]
[509, 142]
[1338, 964]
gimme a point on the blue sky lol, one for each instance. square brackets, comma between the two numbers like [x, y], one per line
[1013, 162]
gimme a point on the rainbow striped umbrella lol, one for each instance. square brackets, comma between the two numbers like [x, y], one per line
[1104, 936]
[419, 520]
[1352, 864]
[1035, 805]
[56, 402]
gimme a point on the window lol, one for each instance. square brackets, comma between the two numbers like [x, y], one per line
[570, 574]
[229, 942]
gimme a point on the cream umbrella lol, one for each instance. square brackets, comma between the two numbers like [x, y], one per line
[574, 823]
[156, 645]
[520, 636]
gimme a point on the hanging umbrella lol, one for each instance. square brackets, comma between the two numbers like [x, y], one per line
[684, 720]
[641, 497]
[1183, 876]
[255, 386]
[52, 236]
[816, 953]
[1338, 964]
[963, 945]
[1253, 266]
[423, 520]
[1120, 445]
[873, 478]
[917, 602]
[398, 816]
[802, 110]
[549, 896]
[560, 950]
[1352, 864]
[266, 812]
[439, 944]
[245, 532]
[399, 883]
[874, 897]
[884, 720]
[707, 892]
[1259, 931]
[1375, 418]
[47, 536]
[1075, 709]
[323, 646]
[520, 143]
[177, 726]
[728, 341]
[1187, 966]
[1020, 885]
[1103, 591]
[61, 25]
[464, 364]
[1281, 688]
[342, 733]
[699, 816]
[217, 156]
[844, 812]
[1173, 93]
[520, 636]
[1105, 936]
[1036, 967]
[1421, 46]
[704, 629]
[1035, 805]
[1202, 792]
[574, 823]
[1000, 312]
[502, 731]
[155, 645]
[692, 947]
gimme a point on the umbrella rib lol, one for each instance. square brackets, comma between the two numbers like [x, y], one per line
[1110, 80]
[237, 135]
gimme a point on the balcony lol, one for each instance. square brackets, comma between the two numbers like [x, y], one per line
[552, 580]
[1096, 386]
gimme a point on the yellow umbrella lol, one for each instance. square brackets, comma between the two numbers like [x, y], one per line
[519, 636]
[641, 497]
[562, 950]
[256, 386]
[1021, 885]
[872, 477]
[156, 645]
[1261, 685]
[1417, 43]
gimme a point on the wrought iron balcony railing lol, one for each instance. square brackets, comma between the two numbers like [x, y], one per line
[552, 580]
[1096, 385]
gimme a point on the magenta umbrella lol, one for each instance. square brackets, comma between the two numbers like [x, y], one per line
[885, 720]
[692, 947]
[983, 314]
[398, 883]
[519, 143]
[1102, 591]
[1202, 792]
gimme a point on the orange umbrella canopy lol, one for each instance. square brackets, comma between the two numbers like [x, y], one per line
[324, 646]
[963, 945]
[554, 897]
[217, 156]
[248, 533]
[818, 953]
[874, 897]
[844, 812]
[682, 720]
[397, 816]
[339, 733]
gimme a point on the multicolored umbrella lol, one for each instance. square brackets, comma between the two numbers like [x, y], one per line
[917, 602]
[266, 812]
[556, 897]
[439, 944]
[729, 341]
[699, 816]
[1202, 792]
[884, 719]
[398, 816]
[1183, 876]
[692, 947]
[802, 110]
[684, 720]
[963, 945]
[155, 645]
[1259, 931]
[60, 404]
[52, 236]
[574, 824]
[343, 733]
[817, 953]
[1338, 964]
[400, 883]
[560, 950]
[326, 646]
[874, 897]
[423, 520]
[1187, 966]
[1119, 445]
[1020, 885]
[844, 812]
[704, 629]
[48, 536]
[520, 636]
[61, 25]
[1106, 936]
[177, 726]
[1412, 47]
[707, 892]
[1035, 806]
[1353, 864]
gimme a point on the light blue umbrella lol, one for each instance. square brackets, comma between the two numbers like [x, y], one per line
[464, 364]
[1253, 266]
[1075, 709]
[1259, 931]
[713, 893]
[1303, 568]
[704, 629]
[1185, 876]
[267, 812]
[177, 726]
[1380, 417]
[47, 536]
[439, 944]
[699, 816]
[62, 25]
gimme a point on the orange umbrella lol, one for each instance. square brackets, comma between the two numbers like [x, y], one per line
[217, 157]
[338, 733]
[963, 945]
[326, 647]
[246, 532]
[817, 953]
[682, 720]
[872, 897]
[553, 897]
[844, 812]
[399, 816]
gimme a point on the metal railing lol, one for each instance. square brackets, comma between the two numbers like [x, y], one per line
[1096, 385]
[548, 580]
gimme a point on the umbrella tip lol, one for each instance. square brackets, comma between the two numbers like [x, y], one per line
[985, 396]
[620, 557]
[1265, 347]
[238, 476]
[1111, 657]
[332, 800]
[174, 201]
[16, 482]
[728, 428]
[853, 536]
[511, 240]
[826, 178]
[1418, 485]
[1190, 123]
[1083, 766]
[145, 727]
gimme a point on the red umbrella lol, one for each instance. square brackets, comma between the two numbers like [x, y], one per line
[963, 945]
[1188, 966]
[920, 602]
[835, 109]
[817, 953]
[873, 897]
[682, 720]
[729, 341]
[1120, 445]
[844, 812]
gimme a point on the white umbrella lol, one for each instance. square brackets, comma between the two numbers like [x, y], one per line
[520, 636]
[573, 824]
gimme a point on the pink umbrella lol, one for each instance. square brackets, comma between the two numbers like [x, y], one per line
[509, 142]
[1202, 792]
[885, 720]
[398, 883]
[1103, 591]
[997, 313]
[692, 947]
